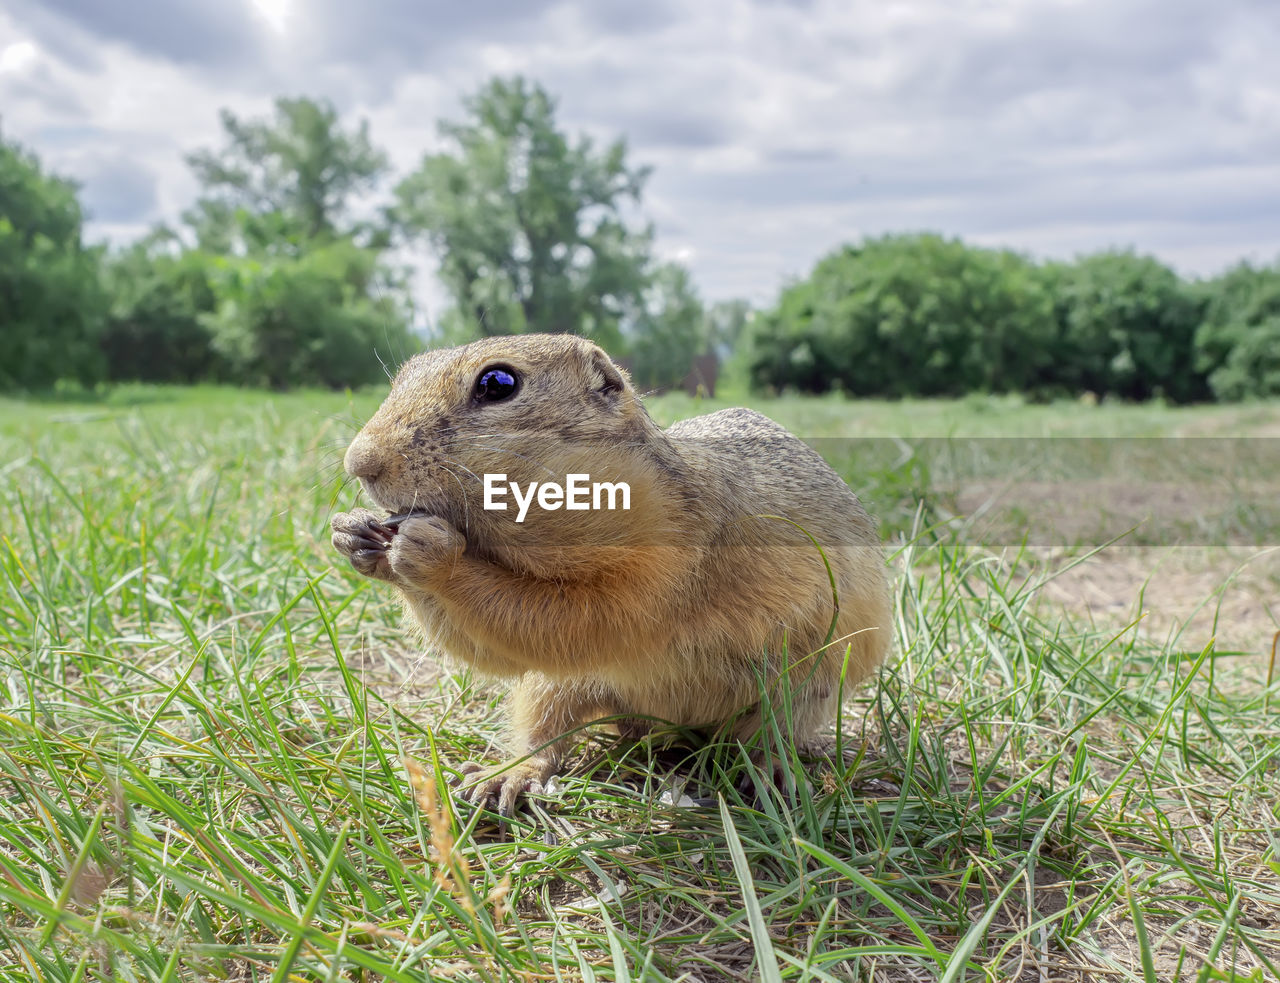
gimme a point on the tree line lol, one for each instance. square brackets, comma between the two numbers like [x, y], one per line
[284, 270]
[922, 315]
[287, 270]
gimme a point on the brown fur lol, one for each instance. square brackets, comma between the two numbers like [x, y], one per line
[676, 609]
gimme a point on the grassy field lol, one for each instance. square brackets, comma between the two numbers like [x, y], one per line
[206, 722]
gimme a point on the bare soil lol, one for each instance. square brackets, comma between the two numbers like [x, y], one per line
[1193, 595]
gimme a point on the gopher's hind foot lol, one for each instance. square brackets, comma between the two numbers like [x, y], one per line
[502, 786]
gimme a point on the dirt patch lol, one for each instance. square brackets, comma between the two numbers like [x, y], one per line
[1191, 560]
[1189, 595]
[1210, 512]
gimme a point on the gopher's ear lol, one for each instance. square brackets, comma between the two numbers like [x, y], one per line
[608, 377]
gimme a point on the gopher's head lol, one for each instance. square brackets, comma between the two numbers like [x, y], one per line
[529, 406]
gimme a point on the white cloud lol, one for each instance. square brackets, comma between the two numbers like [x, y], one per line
[276, 14]
[18, 58]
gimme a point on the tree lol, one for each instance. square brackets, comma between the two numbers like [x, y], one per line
[283, 184]
[727, 323]
[669, 331]
[282, 287]
[528, 224]
[51, 305]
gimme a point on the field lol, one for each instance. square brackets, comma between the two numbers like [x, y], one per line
[222, 757]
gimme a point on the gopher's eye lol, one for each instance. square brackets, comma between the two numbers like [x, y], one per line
[496, 384]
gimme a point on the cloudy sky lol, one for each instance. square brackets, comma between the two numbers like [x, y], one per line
[777, 128]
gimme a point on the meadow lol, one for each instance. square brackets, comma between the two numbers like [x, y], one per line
[223, 758]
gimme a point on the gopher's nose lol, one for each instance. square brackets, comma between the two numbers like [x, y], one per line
[363, 459]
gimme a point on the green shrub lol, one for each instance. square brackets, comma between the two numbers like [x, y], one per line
[907, 315]
[1238, 345]
[51, 303]
[316, 320]
[1124, 326]
[158, 328]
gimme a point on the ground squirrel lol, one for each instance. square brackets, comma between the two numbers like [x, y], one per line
[675, 608]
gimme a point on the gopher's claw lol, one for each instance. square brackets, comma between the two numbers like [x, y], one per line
[365, 543]
[363, 539]
[504, 785]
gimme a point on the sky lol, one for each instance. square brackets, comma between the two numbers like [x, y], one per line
[777, 129]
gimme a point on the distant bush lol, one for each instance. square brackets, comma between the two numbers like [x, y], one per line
[158, 328]
[920, 315]
[1125, 326]
[313, 320]
[1238, 345]
[51, 303]
[908, 315]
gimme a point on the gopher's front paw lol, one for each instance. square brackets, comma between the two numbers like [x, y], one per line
[360, 536]
[425, 547]
[503, 786]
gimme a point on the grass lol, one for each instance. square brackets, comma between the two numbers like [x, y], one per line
[206, 723]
